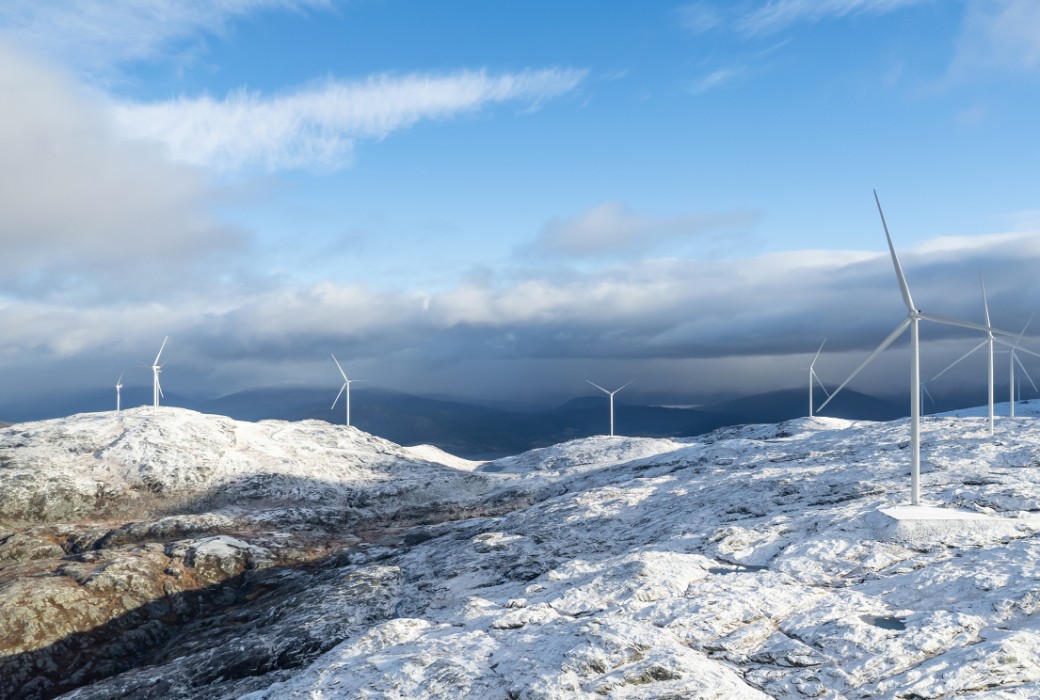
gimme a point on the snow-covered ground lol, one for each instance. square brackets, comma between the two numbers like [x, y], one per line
[760, 561]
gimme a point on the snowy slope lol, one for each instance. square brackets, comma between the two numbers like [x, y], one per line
[111, 464]
[753, 562]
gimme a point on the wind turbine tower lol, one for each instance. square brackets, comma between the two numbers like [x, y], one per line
[119, 386]
[611, 395]
[1014, 358]
[156, 368]
[343, 390]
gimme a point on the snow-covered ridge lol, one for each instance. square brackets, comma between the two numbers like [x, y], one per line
[94, 464]
[757, 561]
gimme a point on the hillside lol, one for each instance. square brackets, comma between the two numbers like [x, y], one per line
[297, 560]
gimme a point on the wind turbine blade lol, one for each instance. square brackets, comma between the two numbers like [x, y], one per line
[340, 368]
[820, 382]
[1028, 321]
[947, 321]
[159, 387]
[880, 349]
[927, 393]
[341, 389]
[120, 380]
[903, 288]
[597, 386]
[623, 385]
[1023, 368]
[1018, 339]
[985, 303]
[160, 350]
[962, 357]
[813, 363]
[1027, 351]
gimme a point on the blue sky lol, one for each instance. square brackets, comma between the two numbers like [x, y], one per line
[495, 199]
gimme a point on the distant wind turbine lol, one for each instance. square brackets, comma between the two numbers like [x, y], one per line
[344, 389]
[987, 342]
[814, 378]
[611, 395]
[119, 386]
[1014, 359]
[156, 368]
[912, 317]
[990, 340]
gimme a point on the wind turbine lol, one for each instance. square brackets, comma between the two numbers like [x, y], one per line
[345, 388]
[987, 341]
[611, 395]
[119, 385]
[913, 316]
[156, 368]
[813, 377]
[1014, 359]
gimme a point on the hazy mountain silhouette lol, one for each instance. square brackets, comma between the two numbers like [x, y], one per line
[483, 431]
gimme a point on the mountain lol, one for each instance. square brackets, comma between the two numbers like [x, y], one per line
[776, 406]
[479, 431]
[186, 555]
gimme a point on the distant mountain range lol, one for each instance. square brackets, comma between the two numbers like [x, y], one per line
[479, 431]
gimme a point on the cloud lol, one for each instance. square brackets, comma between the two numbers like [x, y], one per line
[756, 317]
[83, 213]
[317, 127]
[97, 36]
[715, 79]
[611, 228]
[699, 17]
[777, 15]
[998, 35]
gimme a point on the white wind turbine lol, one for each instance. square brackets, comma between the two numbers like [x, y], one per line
[989, 340]
[1014, 358]
[119, 386]
[156, 368]
[814, 378]
[611, 395]
[343, 389]
[912, 317]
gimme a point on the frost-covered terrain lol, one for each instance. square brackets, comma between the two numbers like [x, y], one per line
[280, 560]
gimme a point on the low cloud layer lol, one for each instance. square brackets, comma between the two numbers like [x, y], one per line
[760, 318]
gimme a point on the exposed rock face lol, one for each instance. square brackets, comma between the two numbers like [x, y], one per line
[749, 563]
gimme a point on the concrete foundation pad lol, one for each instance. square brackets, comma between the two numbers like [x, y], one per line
[926, 524]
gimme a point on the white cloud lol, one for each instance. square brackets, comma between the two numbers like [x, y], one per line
[81, 211]
[611, 227]
[316, 127]
[715, 79]
[699, 17]
[776, 15]
[97, 36]
[638, 315]
[1001, 35]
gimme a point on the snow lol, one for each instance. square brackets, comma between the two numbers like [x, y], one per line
[760, 561]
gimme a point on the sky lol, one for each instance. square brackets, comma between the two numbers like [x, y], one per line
[501, 200]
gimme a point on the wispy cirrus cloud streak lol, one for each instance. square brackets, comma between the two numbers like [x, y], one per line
[95, 37]
[1001, 35]
[317, 127]
[776, 15]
